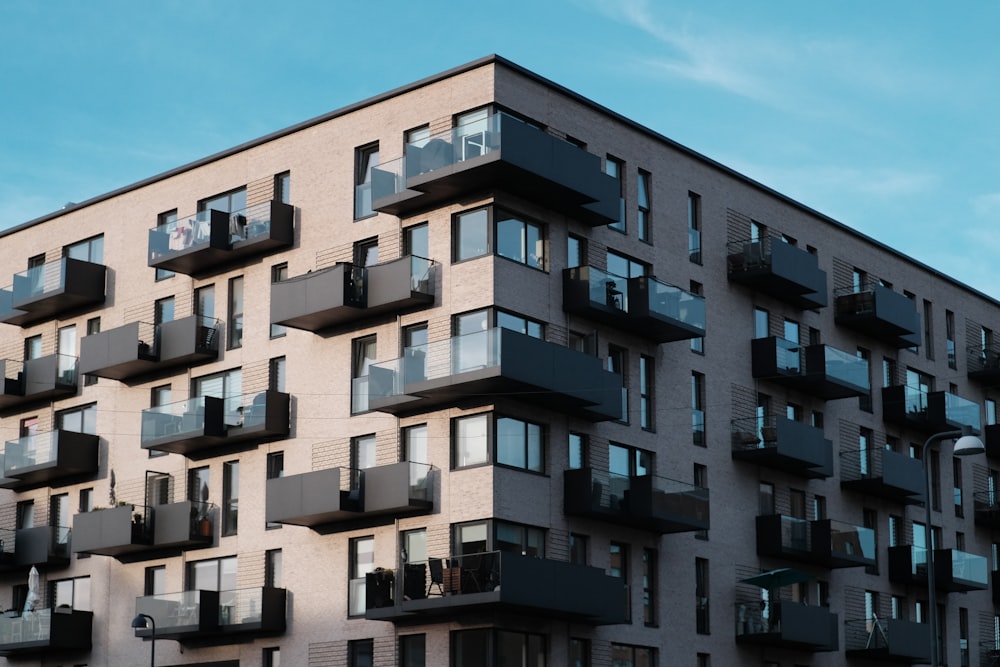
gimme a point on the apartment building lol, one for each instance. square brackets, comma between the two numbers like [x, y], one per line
[479, 372]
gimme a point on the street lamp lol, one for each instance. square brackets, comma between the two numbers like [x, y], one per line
[140, 622]
[965, 445]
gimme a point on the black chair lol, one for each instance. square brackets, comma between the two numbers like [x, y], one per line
[437, 575]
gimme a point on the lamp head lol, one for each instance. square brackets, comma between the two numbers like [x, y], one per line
[967, 445]
[140, 621]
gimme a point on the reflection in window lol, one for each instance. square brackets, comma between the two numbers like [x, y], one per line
[472, 234]
[520, 240]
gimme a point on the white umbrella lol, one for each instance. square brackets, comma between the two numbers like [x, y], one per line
[33, 599]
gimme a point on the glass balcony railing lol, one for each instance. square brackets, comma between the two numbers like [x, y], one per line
[184, 234]
[356, 594]
[363, 201]
[172, 610]
[420, 481]
[35, 627]
[421, 274]
[853, 541]
[845, 367]
[30, 451]
[789, 355]
[39, 281]
[961, 411]
[389, 178]
[676, 304]
[176, 419]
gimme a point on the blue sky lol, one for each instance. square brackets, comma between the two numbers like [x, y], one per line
[883, 115]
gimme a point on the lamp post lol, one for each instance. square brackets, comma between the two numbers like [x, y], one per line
[965, 444]
[140, 622]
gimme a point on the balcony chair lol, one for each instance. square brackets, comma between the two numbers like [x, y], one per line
[436, 568]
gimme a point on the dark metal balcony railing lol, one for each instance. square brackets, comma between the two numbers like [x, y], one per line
[877, 311]
[983, 363]
[499, 151]
[786, 624]
[820, 370]
[780, 269]
[648, 501]
[496, 580]
[215, 614]
[882, 472]
[887, 639]
[777, 442]
[822, 542]
[203, 242]
[644, 305]
[496, 360]
[929, 411]
[53, 288]
[954, 570]
[40, 379]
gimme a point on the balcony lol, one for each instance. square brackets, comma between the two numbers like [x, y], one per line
[827, 543]
[887, 640]
[878, 312]
[215, 617]
[503, 153]
[211, 240]
[786, 624]
[983, 364]
[346, 293]
[36, 380]
[341, 498]
[45, 631]
[882, 472]
[954, 570]
[137, 532]
[199, 427]
[139, 349]
[500, 581]
[987, 508]
[41, 545]
[779, 269]
[40, 459]
[489, 363]
[644, 306]
[651, 503]
[52, 289]
[929, 412]
[818, 370]
[782, 444]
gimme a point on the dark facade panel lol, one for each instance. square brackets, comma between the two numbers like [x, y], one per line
[783, 444]
[880, 313]
[791, 625]
[320, 299]
[56, 288]
[46, 631]
[779, 269]
[40, 459]
[954, 570]
[929, 412]
[884, 473]
[887, 640]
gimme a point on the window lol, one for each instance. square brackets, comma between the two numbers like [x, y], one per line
[271, 657]
[578, 548]
[81, 420]
[624, 655]
[627, 461]
[204, 303]
[365, 158]
[949, 329]
[362, 561]
[33, 347]
[615, 168]
[86, 500]
[520, 444]
[618, 567]
[89, 250]
[515, 443]
[694, 228]
[363, 358]
[227, 385]
[279, 272]
[235, 327]
[576, 251]
[273, 569]
[156, 580]
[412, 650]
[928, 329]
[649, 587]
[416, 241]
[363, 452]
[366, 252]
[702, 595]
[476, 537]
[72, 593]
[579, 652]
[275, 469]
[701, 481]
[618, 363]
[520, 240]
[990, 408]
[577, 450]
[490, 647]
[167, 221]
[761, 323]
[957, 484]
[93, 327]
[163, 310]
[198, 487]
[276, 374]
[66, 348]
[59, 520]
[766, 498]
[698, 409]
[698, 342]
[625, 267]
[471, 234]
[230, 497]
[647, 379]
[228, 202]
[159, 396]
[283, 187]
[865, 400]
[415, 545]
[415, 444]
[645, 219]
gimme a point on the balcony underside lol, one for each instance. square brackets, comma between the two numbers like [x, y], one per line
[479, 387]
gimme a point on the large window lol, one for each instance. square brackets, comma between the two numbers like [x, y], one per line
[90, 250]
[412, 650]
[490, 647]
[476, 537]
[214, 574]
[484, 438]
[81, 420]
[227, 385]
[492, 229]
[73, 593]
[361, 562]
[625, 655]
[363, 452]
[228, 202]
